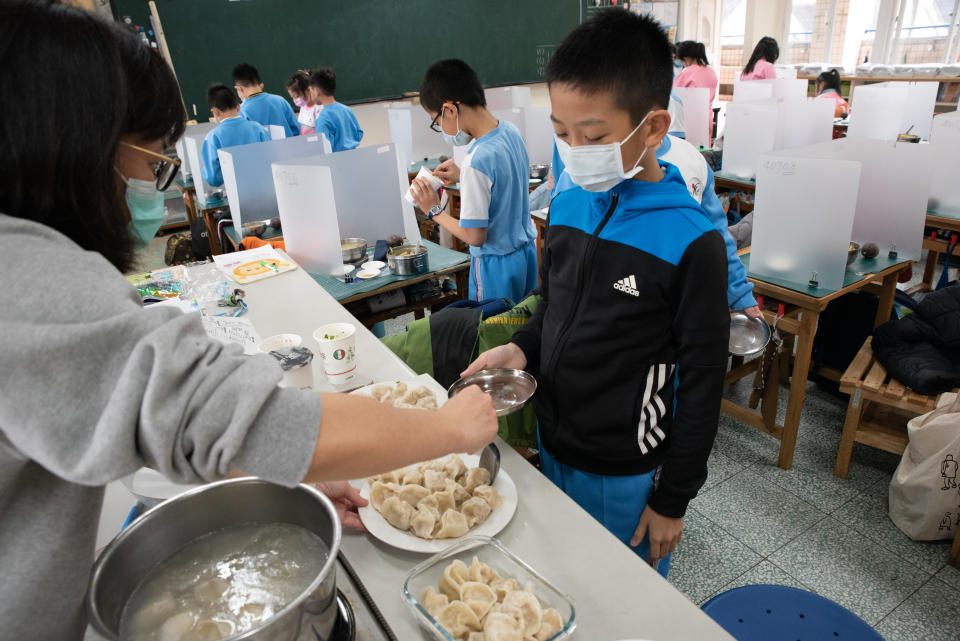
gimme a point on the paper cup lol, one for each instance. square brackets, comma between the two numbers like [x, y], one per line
[279, 341]
[298, 377]
[338, 351]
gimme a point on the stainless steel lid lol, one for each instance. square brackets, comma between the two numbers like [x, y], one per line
[509, 388]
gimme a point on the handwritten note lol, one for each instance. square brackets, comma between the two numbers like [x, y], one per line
[228, 329]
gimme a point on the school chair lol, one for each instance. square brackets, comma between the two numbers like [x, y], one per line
[781, 613]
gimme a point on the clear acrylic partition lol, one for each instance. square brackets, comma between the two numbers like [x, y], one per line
[750, 131]
[276, 132]
[944, 143]
[880, 110]
[786, 73]
[514, 116]
[804, 122]
[400, 122]
[201, 129]
[805, 210]
[411, 228]
[539, 134]
[789, 88]
[248, 179]
[308, 214]
[918, 112]
[752, 90]
[194, 144]
[426, 143]
[507, 97]
[697, 116]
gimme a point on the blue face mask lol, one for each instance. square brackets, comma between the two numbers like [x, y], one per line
[460, 139]
[146, 210]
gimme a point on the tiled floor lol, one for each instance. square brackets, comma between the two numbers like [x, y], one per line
[755, 523]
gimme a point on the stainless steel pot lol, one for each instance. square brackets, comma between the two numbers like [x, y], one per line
[165, 529]
[353, 254]
[411, 265]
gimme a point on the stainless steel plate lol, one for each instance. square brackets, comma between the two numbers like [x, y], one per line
[509, 388]
[748, 335]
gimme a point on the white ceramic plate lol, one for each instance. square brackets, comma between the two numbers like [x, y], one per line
[373, 265]
[498, 519]
[367, 274]
[424, 380]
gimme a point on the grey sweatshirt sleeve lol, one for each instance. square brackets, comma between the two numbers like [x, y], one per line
[93, 387]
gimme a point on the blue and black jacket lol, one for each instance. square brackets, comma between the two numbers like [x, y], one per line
[629, 342]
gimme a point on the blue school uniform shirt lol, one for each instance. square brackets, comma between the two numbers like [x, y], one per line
[270, 109]
[337, 122]
[229, 133]
[494, 184]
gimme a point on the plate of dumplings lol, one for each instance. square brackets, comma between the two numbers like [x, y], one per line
[427, 506]
[422, 393]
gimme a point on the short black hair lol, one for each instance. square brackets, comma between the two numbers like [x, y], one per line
[246, 75]
[451, 80]
[323, 79]
[220, 96]
[693, 49]
[59, 170]
[620, 52]
[298, 82]
[767, 49]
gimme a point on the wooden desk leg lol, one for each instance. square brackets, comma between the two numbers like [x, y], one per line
[855, 409]
[798, 386]
[887, 293]
[211, 226]
[462, 279]
[954, 559]
[190, 204]
[930, 269]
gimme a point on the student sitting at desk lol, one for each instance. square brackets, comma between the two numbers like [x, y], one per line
[259, 106]
[232, 131]
[335, 120]
[494, 184]
[828, 87]
[760, 66]
[298, 88]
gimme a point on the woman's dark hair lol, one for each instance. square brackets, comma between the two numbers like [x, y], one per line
[830, 80]
[298, 83]
[451, 80]
[220, 96]
[59, 170]
[767, 48]
[246, 75]
[695, 50]
[323, 79]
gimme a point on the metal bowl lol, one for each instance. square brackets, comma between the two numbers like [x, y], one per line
[253, 229]
[852, 252]
[509, 388]
[165, 529]
[748, 335]
[353, 249]
[539, 171]
[414, 262]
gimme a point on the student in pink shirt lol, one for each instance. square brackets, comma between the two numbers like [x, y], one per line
[696, 69]
[760, 65]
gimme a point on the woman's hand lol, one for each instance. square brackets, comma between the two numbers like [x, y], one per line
[448, 171]
[346, 499]
[664, 533]
[424, 194]
[509, 356]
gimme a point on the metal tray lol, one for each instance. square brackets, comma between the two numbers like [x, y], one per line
[509, 388]
[748, 336]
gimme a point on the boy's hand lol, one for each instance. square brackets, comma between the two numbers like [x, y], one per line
[424, 194]
[346, 499]
[753, 312]
[509, 356]
[448, 171]
[664, 532]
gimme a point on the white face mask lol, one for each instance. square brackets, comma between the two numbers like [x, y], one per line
[598, 167]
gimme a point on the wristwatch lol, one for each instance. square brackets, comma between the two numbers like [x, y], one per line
[436, 210]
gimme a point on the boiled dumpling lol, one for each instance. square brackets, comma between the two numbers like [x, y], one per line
[476, 476]
[478, 596]
[412, 494]
[457, 618]
[211, 590]
[210, 630]
[436, 465]
[445, 501]
[434, 481]
[459, 492]
[424, 522]
[503, 587]
[432, 503]
[525, 608]
[412, 397]
[452, 525]
[398, 392]
[475, 636]
[380, 491]
[454, 575]
[427, 403]
[476, 510]
[550, 624]
[177, 626]
[501, 627]
[397, 512]
[411, 476]
[480, 571]
[490, 495]
[433, 602]
[381, 393]
[454, 466]
[387, 477]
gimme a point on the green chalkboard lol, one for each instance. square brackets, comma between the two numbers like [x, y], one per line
[379, 48]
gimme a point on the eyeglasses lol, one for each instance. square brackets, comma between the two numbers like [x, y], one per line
[164, 169]
[435, 123]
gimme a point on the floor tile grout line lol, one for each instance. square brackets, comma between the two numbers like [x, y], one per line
[877, 624]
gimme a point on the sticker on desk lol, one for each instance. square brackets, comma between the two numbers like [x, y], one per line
[253, 264]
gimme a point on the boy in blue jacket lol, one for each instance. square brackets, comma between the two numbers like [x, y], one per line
[259, 106]
[232, 131]
[629, 342]
[336, 120]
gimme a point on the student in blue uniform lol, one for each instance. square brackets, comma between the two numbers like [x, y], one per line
[259, 106]
[494, 206]
[232, 131]
[629, 342]
[335, 120]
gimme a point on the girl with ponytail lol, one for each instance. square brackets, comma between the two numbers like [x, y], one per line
[828, 86]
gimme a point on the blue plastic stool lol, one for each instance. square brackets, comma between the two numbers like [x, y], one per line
[781, 613]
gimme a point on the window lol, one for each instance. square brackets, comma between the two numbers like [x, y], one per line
[923, 37]
[801, 30]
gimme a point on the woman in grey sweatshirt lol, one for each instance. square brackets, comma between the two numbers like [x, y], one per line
[92, 387]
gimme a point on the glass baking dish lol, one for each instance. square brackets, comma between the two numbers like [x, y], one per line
[507, 564]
